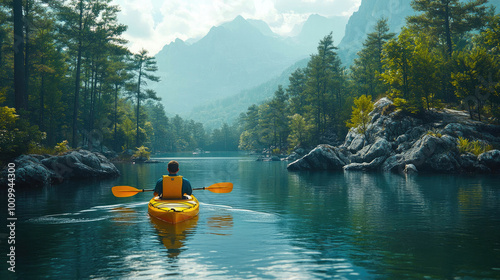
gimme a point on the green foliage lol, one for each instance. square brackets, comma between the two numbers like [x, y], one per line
[476, 147]
[323, 87]
[141, 154]
[473, 79]
[61, 148]
[16, 134]
[448, 20]
[143, 66]
[434, 133]
[412, 71]
[299, 131]
[38, 149]
[360, 114]
[368, 67]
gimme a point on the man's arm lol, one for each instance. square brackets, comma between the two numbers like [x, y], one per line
[186, 187]
[158, 187]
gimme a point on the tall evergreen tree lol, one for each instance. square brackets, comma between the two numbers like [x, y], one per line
[250, 137]
[324, 73]
[368, 66]
[296, 91]
[273, 120]
[143, 66]
[470, 78]
[448, 19]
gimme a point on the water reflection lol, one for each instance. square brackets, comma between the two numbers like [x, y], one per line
[124, 214]
[174, 236]
[220, 224]
[384, 220]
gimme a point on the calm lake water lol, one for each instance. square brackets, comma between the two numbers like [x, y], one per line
[275, 224]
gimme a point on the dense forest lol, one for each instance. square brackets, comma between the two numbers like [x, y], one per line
[66, 74]
[446, 56]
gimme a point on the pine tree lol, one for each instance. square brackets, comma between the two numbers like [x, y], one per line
[142, 65]
[368, 66]
[20, 94]
[448, 19]
[324, 74]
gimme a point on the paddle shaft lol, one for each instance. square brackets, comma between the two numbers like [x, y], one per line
[195, 189]
[127, 191]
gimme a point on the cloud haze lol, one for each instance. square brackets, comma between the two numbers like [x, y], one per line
[155, 23]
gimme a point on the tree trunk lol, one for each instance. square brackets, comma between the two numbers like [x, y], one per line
[42, 98]
[26, 52]
[19, 68]
[138, 105]
[115, 117]
[449, 43]
[77, 79]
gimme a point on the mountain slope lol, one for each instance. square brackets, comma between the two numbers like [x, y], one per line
[230, 58]
[363, 21]
[227, 110]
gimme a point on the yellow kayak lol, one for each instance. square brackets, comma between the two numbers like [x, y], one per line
[173, 211]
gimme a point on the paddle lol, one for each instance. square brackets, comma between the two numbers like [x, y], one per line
[127, 191]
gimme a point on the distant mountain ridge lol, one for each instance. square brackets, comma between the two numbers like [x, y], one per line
[235, 56]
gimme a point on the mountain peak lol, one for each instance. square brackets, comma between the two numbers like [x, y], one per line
[237, 23]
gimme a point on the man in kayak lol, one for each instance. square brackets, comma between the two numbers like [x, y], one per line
[173, 168]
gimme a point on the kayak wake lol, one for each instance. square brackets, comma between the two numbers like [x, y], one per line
[249, 215]
[85, 215]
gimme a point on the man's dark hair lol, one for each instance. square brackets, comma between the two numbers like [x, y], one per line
[173, 166]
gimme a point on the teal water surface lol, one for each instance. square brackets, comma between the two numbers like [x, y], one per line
[274, 225]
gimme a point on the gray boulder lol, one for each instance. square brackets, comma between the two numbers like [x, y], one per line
[395, 163]
[36, 171]
[491, 159]
[31, 173]
[323, 157]
[381, 148]
[430, 152]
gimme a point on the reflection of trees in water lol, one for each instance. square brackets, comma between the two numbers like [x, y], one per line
[390, 219]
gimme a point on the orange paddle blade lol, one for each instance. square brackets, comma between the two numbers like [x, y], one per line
[126, 191]
[224, 187]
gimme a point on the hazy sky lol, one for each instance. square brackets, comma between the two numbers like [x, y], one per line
[155, 23]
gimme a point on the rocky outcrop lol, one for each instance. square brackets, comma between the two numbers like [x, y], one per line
[43, 170]
[406, 144]
[323, 157]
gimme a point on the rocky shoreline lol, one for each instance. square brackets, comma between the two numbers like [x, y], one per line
[45, 170]
[405, 144]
